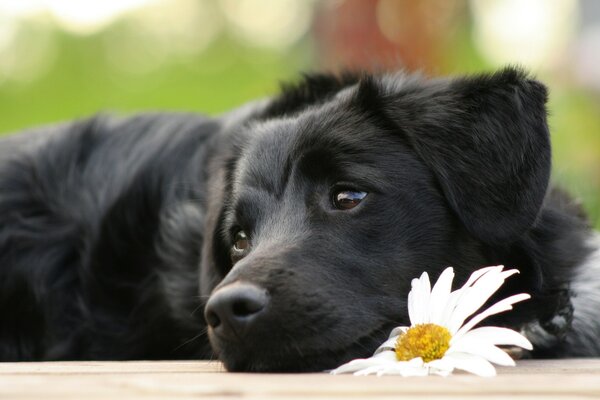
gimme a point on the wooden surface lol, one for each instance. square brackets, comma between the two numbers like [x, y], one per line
[207, 380]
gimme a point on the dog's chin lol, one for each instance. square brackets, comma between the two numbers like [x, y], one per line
[239, 358]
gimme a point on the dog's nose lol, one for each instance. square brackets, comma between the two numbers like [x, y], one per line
[234, 308]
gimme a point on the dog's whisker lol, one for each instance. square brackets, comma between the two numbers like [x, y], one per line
[293, 343]
[195, 310]
[199, 335]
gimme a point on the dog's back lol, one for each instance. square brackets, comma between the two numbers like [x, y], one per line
[94, 216]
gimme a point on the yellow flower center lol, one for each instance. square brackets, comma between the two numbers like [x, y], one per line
[428, 341]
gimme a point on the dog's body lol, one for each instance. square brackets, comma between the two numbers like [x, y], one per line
[309, 213]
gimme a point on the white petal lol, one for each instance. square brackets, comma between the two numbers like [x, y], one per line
[481, 272]
[386, 356]
[416, 362]
[418, 299]
[477, 295]
[353, 366]
[376, 369]
[414, 367]
[456, 296]
[478, 274]
[414, 371]
[501, 306]
[440, 372]
[388, 345]
[449, 308]
[412, 304]
[387, 365]
[380, 360]
[414, 297]
[443, 367]
[404, 370]
[496, 336]
[470, 363]
[425, 297]
[397, 331]
[487, 351]
[439, 296]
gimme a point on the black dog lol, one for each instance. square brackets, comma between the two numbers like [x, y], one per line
[305, 215]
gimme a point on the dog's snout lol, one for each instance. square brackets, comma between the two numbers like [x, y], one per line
[235, 307]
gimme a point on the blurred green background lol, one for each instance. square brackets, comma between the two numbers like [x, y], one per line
[64, 59]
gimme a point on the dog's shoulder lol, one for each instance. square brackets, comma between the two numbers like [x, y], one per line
[583, 339]
[562, 254]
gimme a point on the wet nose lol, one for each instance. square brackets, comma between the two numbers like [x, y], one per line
[234, 308]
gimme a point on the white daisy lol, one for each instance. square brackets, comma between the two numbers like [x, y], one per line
[438, 339]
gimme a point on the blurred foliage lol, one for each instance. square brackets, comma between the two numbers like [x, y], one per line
[82, 82]
[83, 78]
[575, 126]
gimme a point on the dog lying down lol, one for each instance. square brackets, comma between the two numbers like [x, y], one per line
[283, 236]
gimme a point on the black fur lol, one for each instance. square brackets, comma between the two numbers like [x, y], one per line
[114, 233]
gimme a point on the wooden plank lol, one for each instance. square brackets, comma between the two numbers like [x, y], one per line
[186, 380]
[104, 367]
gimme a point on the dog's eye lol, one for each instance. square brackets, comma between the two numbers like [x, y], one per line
[241, 244]
[347, 199]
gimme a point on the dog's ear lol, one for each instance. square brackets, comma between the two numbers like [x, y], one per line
[486, 140]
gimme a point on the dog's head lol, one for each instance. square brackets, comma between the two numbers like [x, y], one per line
[342, 190]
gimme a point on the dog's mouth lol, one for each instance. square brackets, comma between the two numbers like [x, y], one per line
[293, 357]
